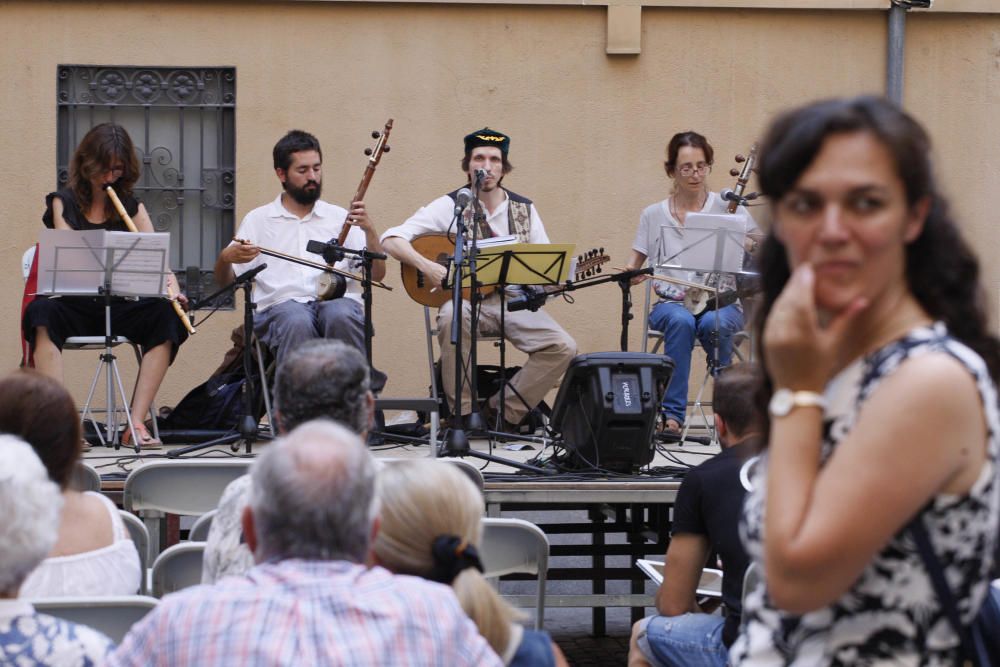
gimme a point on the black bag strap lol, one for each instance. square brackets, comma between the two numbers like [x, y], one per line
[942, 589]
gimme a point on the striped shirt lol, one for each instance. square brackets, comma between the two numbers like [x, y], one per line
[298, 612]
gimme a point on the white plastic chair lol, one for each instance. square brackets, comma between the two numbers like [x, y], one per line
[85, 478]
[178, 567]
[114, 616]
[189, 487]
[201, 526]
[517, 546]
[140, 537]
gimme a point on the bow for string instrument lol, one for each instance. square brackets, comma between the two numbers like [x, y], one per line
[333, 285]
[325, 268]
[113, 196]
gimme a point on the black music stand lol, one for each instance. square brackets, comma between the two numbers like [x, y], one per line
[109, 265]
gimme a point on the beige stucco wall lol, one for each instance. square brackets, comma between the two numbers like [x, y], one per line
[588, 128]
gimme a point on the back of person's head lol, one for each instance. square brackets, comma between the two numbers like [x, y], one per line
[296, 141]
[733, 398]
[313, 495]
[426, 506]
[323, 378]
[31, 505]
[41, 411]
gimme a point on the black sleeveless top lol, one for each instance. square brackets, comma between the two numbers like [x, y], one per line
[75, 218]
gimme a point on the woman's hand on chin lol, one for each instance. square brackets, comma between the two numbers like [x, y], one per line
[802, 353]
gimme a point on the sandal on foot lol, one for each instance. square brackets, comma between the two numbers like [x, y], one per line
[143, 437]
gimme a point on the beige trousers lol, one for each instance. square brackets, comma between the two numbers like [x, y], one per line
[549, 349]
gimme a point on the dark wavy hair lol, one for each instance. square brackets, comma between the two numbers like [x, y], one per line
[100, 148]
[941, 271]
[295, 141]
[40, 411]
[682, 139]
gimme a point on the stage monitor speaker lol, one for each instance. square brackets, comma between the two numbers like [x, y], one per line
[606, 408]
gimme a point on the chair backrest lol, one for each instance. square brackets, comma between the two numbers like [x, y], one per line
[751, 578]
[85, 478]
[178, 567]
[26, 259]
[515, 545]
[140, 537]
[113, 616]
[199, 531]
[472, 471]
[188, 487]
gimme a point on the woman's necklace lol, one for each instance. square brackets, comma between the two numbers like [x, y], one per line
[673, 210]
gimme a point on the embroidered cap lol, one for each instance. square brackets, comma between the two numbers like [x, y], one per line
[487, 137]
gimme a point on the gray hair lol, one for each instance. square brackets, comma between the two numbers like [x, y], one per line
[323, 378]
[31, 505]
[314, 495]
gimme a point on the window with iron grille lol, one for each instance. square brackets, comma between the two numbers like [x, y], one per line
[182, 122]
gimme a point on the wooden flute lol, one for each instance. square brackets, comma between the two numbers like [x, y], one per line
[132, 228]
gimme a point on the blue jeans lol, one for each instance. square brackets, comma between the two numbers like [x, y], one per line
[690, 640]
[679, 329]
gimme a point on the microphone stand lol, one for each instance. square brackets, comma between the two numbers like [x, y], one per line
[247, 428]
[456, 443]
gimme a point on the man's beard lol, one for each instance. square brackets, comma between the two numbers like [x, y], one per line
[303, 195]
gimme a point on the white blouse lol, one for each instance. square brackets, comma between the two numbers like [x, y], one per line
[110, 570]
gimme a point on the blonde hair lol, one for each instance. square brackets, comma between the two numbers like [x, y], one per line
[423, 500]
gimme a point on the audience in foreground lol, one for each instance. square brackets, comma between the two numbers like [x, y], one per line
[706, 518]
[93, 555]
[881, 375]
[431, 528]
[311, 599]
[320, 378]
[31, 504]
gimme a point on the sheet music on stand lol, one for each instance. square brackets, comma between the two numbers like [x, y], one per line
[712, 243]
[80, 263]
[521, 264]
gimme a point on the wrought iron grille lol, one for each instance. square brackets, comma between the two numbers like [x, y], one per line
[182, 122]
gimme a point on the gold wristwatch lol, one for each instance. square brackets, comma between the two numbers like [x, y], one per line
[785, 400]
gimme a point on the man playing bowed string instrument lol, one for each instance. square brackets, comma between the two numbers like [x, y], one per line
[288, 309]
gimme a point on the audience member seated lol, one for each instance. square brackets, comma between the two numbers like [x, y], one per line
[706, 517]
[93, 554]
[320, 378]
[431, 528]
[312, 598]
[31, 504]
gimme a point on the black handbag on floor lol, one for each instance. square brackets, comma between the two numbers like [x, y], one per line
[981, 639]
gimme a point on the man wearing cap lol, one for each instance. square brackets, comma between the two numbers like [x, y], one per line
[549, 347]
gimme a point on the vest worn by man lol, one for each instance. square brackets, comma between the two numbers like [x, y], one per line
[518, 216]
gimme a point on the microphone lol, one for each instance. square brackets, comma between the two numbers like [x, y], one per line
[480, 176]
[531, 300]
[247, 276]
[729, 195]
[462, 200]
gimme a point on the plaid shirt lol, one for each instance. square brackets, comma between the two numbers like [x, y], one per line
[298, 612]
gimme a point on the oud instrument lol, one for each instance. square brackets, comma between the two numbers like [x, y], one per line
[333, 285]
[113, 196]
[441, 247]
[325, 268]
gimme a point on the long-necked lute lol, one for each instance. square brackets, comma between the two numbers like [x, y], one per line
[332, 285]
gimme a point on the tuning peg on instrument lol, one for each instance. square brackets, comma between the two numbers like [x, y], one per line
[734, 172]
[385, 149]
[376, 134]
[740, 158]
[368, 152]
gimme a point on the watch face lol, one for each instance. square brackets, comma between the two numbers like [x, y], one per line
[781, 402]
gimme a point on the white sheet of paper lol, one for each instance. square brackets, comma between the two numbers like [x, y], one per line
[74, 263]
